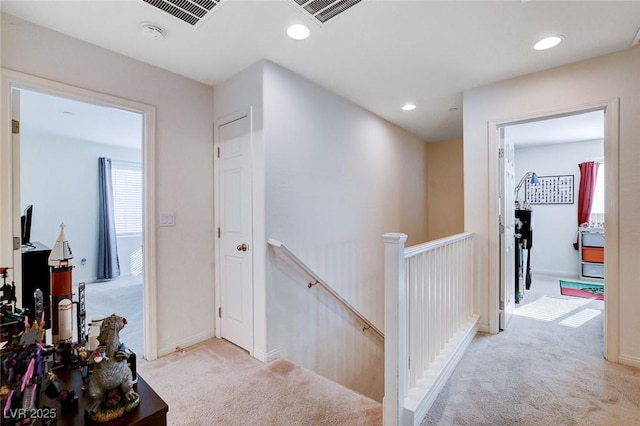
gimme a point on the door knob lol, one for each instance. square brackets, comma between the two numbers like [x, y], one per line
[243, 247]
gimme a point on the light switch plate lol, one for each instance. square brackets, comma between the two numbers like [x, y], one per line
[167, 219]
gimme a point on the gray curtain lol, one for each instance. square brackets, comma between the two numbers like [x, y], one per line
[108, 264]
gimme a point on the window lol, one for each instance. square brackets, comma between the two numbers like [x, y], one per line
[597, 206]
[127, 197]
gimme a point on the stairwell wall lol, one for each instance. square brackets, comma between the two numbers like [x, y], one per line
[337, 178]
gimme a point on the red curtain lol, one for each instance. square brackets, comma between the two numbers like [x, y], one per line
[588, 176]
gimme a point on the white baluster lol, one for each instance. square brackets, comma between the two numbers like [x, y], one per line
[395, 344]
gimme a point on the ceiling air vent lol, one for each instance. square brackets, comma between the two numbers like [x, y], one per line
[189, 11]
[323, 10]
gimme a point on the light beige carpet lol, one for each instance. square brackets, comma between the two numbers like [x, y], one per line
[217, 383]
[547, 368]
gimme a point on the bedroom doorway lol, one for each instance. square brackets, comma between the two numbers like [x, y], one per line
[556, 286]
[55, 170]
[61, 143]
[608, 149]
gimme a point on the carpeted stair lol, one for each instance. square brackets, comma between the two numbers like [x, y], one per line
[217, 383]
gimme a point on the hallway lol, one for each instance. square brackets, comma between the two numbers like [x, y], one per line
[544, 369]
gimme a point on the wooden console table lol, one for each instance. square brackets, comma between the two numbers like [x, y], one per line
[151, 411]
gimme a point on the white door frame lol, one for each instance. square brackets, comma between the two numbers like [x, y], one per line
[259, 238]
[611, 155]
[219, 207]
[218, 214]
[12, 79]
[506, 240]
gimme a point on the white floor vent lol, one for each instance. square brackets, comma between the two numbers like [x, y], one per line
[190, 11]
[323, 10]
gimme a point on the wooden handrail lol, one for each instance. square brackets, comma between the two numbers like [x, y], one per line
[430, 245]
[279, 245]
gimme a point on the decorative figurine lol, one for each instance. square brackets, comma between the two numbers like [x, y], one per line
[11, 317]
[111, 383]
[61, 289]
[25, 372]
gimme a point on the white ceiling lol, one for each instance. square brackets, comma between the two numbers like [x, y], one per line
[379, 53]
[52, 116]
[574, 128]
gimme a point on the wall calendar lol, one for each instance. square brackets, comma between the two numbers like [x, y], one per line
[550, 190]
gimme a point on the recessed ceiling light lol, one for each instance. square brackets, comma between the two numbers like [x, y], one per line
[409, 107]
[298, 32]
[548, 43]
[152, 31]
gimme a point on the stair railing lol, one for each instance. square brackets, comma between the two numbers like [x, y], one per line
[429, 321]
[326, 287]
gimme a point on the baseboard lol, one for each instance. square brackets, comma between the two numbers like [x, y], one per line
[185, 343]
[422, 397]
[267, 356]
[560, 274]
[631, 361]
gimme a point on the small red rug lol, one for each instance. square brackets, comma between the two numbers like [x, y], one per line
[582, 289]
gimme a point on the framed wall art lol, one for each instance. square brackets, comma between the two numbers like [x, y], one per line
[550, 190]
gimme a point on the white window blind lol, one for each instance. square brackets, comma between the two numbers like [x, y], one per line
[127, 197]
[597, 206]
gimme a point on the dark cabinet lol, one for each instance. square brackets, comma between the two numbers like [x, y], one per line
[524, 242]
[36, 275]
[524, 228]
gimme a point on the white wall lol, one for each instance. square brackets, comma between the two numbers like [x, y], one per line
[184, 166]
[585, 83]
[555, 224]
[239, 95]
[337, 178]
[60, 178]
[330, 178]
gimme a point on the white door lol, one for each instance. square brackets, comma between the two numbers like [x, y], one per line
[235, 243]
[506, 229]
[15, 189]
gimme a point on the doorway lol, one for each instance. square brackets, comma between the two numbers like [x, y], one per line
[31, 168]
[610, 141]
[551, 283]
[61, 142]
[235, 236]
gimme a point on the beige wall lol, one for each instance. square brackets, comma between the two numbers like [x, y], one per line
[445, 189]
[183, 163]
[610, 79]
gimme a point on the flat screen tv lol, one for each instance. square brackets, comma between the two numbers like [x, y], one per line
[25, 222]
